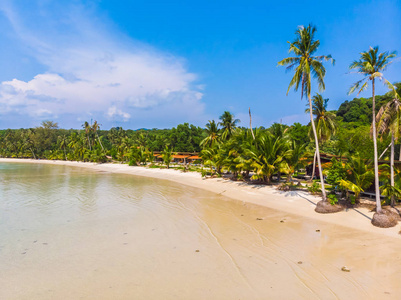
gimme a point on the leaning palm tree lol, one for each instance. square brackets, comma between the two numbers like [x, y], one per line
[306, 65]
[228, 124]
[325, 122]
[371, 64]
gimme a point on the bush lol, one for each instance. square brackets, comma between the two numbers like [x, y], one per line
[352, 199]
[314, 188]
[204, 173]
[332, 198]
[335, 173]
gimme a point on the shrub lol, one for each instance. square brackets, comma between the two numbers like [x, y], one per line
[332, 198]
[335, 173]
[314, 188]
[352, 199]
[204, 173]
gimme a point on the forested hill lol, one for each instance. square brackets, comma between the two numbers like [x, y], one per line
[359, 110]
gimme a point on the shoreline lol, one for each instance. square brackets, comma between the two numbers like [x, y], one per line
[293, 202]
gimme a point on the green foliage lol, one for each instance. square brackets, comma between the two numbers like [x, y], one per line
[388, 191]
[167, 156]
[314, 188]
[332, 198]
[299, 133]
[335, 173]
[204, 173]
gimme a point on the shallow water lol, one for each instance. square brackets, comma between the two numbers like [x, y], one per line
[72, 233]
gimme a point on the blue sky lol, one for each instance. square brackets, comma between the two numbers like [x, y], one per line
[157, 64]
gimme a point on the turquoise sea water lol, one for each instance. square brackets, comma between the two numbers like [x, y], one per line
[73, 233]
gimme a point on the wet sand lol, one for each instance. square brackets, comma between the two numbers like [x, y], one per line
[266, 245]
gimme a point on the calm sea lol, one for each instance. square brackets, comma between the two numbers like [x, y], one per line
[73, 233]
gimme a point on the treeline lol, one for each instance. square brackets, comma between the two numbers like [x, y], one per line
[93, 144]
[259, 155]
[351, 137]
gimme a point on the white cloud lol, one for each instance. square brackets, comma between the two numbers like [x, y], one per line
[92, 71]
[115, 112]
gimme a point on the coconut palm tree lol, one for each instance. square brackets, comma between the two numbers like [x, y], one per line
[167, 156]
[306, 65]
[214, 157]
[294, 159]
[371, 64]
[359, 175]
[325, 122]
[88, 129]
[28, 141]
[228, 124]
[213, 134]
[269, 155]
[95, 128]
[63, 142]
[388, 120]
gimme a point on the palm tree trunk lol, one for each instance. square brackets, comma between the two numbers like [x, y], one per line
[33, 153]
[392, 167]
[99, 141]
[399, 157]
[376, 163]
[250, 124]
[314, 167]
[317, 149]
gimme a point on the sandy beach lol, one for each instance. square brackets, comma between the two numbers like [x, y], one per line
[279, 248]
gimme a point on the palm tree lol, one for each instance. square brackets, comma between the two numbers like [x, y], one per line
[388, 119]
[167, 156]
[213, 135]
[359, 175]
[370, 65]
[28, 141]
[87, 128]
[269, 155]
[214, 157]
[293, 160]
[325, 122]
[307, 65]
[228, 124]
[95, 128]
[63, 139]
